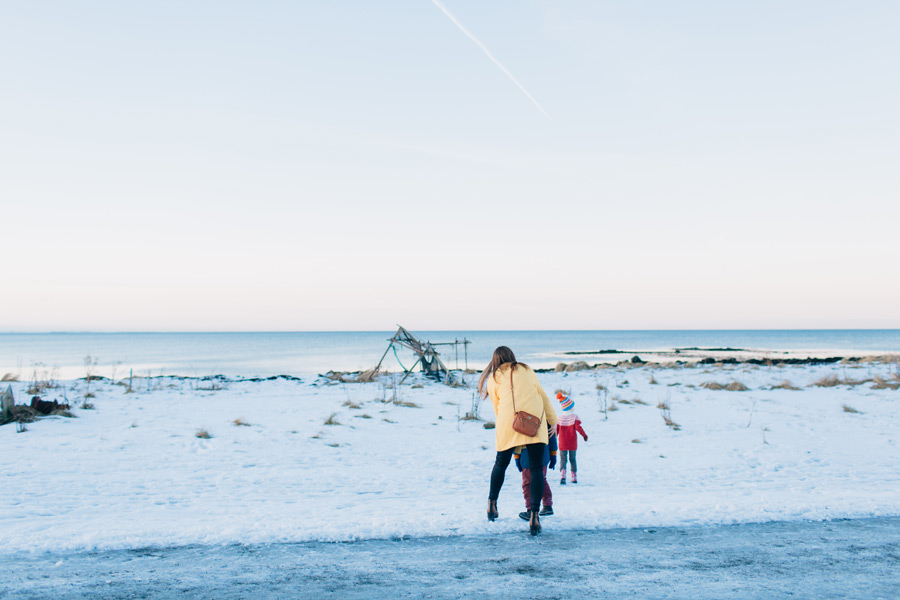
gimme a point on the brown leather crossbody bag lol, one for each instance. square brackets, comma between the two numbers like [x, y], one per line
[523, 422]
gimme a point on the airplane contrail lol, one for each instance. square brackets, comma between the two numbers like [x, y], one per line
[489, 55]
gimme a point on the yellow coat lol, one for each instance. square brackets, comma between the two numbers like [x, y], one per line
[530, 397]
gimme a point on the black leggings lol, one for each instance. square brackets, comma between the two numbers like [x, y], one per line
[536, 464]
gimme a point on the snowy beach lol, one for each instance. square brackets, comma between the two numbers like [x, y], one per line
[321, 460]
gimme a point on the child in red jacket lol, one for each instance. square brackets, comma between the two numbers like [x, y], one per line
[568, 424]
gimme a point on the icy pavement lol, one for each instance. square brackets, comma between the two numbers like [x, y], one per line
[835, 559]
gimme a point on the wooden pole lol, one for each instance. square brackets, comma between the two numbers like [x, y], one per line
[410, 371]
[378, 366]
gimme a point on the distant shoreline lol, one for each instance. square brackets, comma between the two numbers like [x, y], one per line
[311, 353]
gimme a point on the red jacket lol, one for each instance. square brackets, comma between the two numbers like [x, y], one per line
[566, 428]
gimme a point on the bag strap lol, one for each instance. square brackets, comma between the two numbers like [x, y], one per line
[513, 392]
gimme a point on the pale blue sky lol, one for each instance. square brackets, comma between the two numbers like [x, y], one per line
[351, 165]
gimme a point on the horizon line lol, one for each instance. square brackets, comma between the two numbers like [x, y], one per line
[280, 331]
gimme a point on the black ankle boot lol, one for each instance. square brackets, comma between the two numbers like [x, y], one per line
[492, 510]
[534, 523]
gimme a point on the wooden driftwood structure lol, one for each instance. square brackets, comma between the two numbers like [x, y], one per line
[427, 355]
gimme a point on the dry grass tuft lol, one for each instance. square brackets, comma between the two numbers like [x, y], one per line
[11, 377]
[332, 420]
[406, 403]
[490, 425]
[834, 380]
[827, 381]
[43, 378]
[352, 405]
[733, 386]
[785, 385]
[239, 422]
[712, 385]
[653, 380]
[881, 358]
[416, 386]
[850, 409]
[202, 434]
[665, 410]
[639, 401]
[386, 420]
[881, 384]
[364, 416]
[636, 441]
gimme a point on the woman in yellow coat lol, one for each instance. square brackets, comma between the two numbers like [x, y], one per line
[503, 376]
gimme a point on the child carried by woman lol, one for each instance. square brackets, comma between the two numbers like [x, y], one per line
[521, 456]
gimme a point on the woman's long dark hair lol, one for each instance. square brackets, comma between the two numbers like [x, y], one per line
[502, 355]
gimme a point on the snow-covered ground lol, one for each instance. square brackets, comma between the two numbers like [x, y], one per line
[131, 473]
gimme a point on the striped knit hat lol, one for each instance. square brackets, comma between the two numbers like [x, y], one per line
[565, 402]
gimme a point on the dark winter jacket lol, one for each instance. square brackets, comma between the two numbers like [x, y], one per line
[550, 449]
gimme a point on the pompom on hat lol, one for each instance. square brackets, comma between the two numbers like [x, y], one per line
[565, 402]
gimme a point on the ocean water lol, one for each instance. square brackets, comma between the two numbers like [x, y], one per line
[309, 353]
